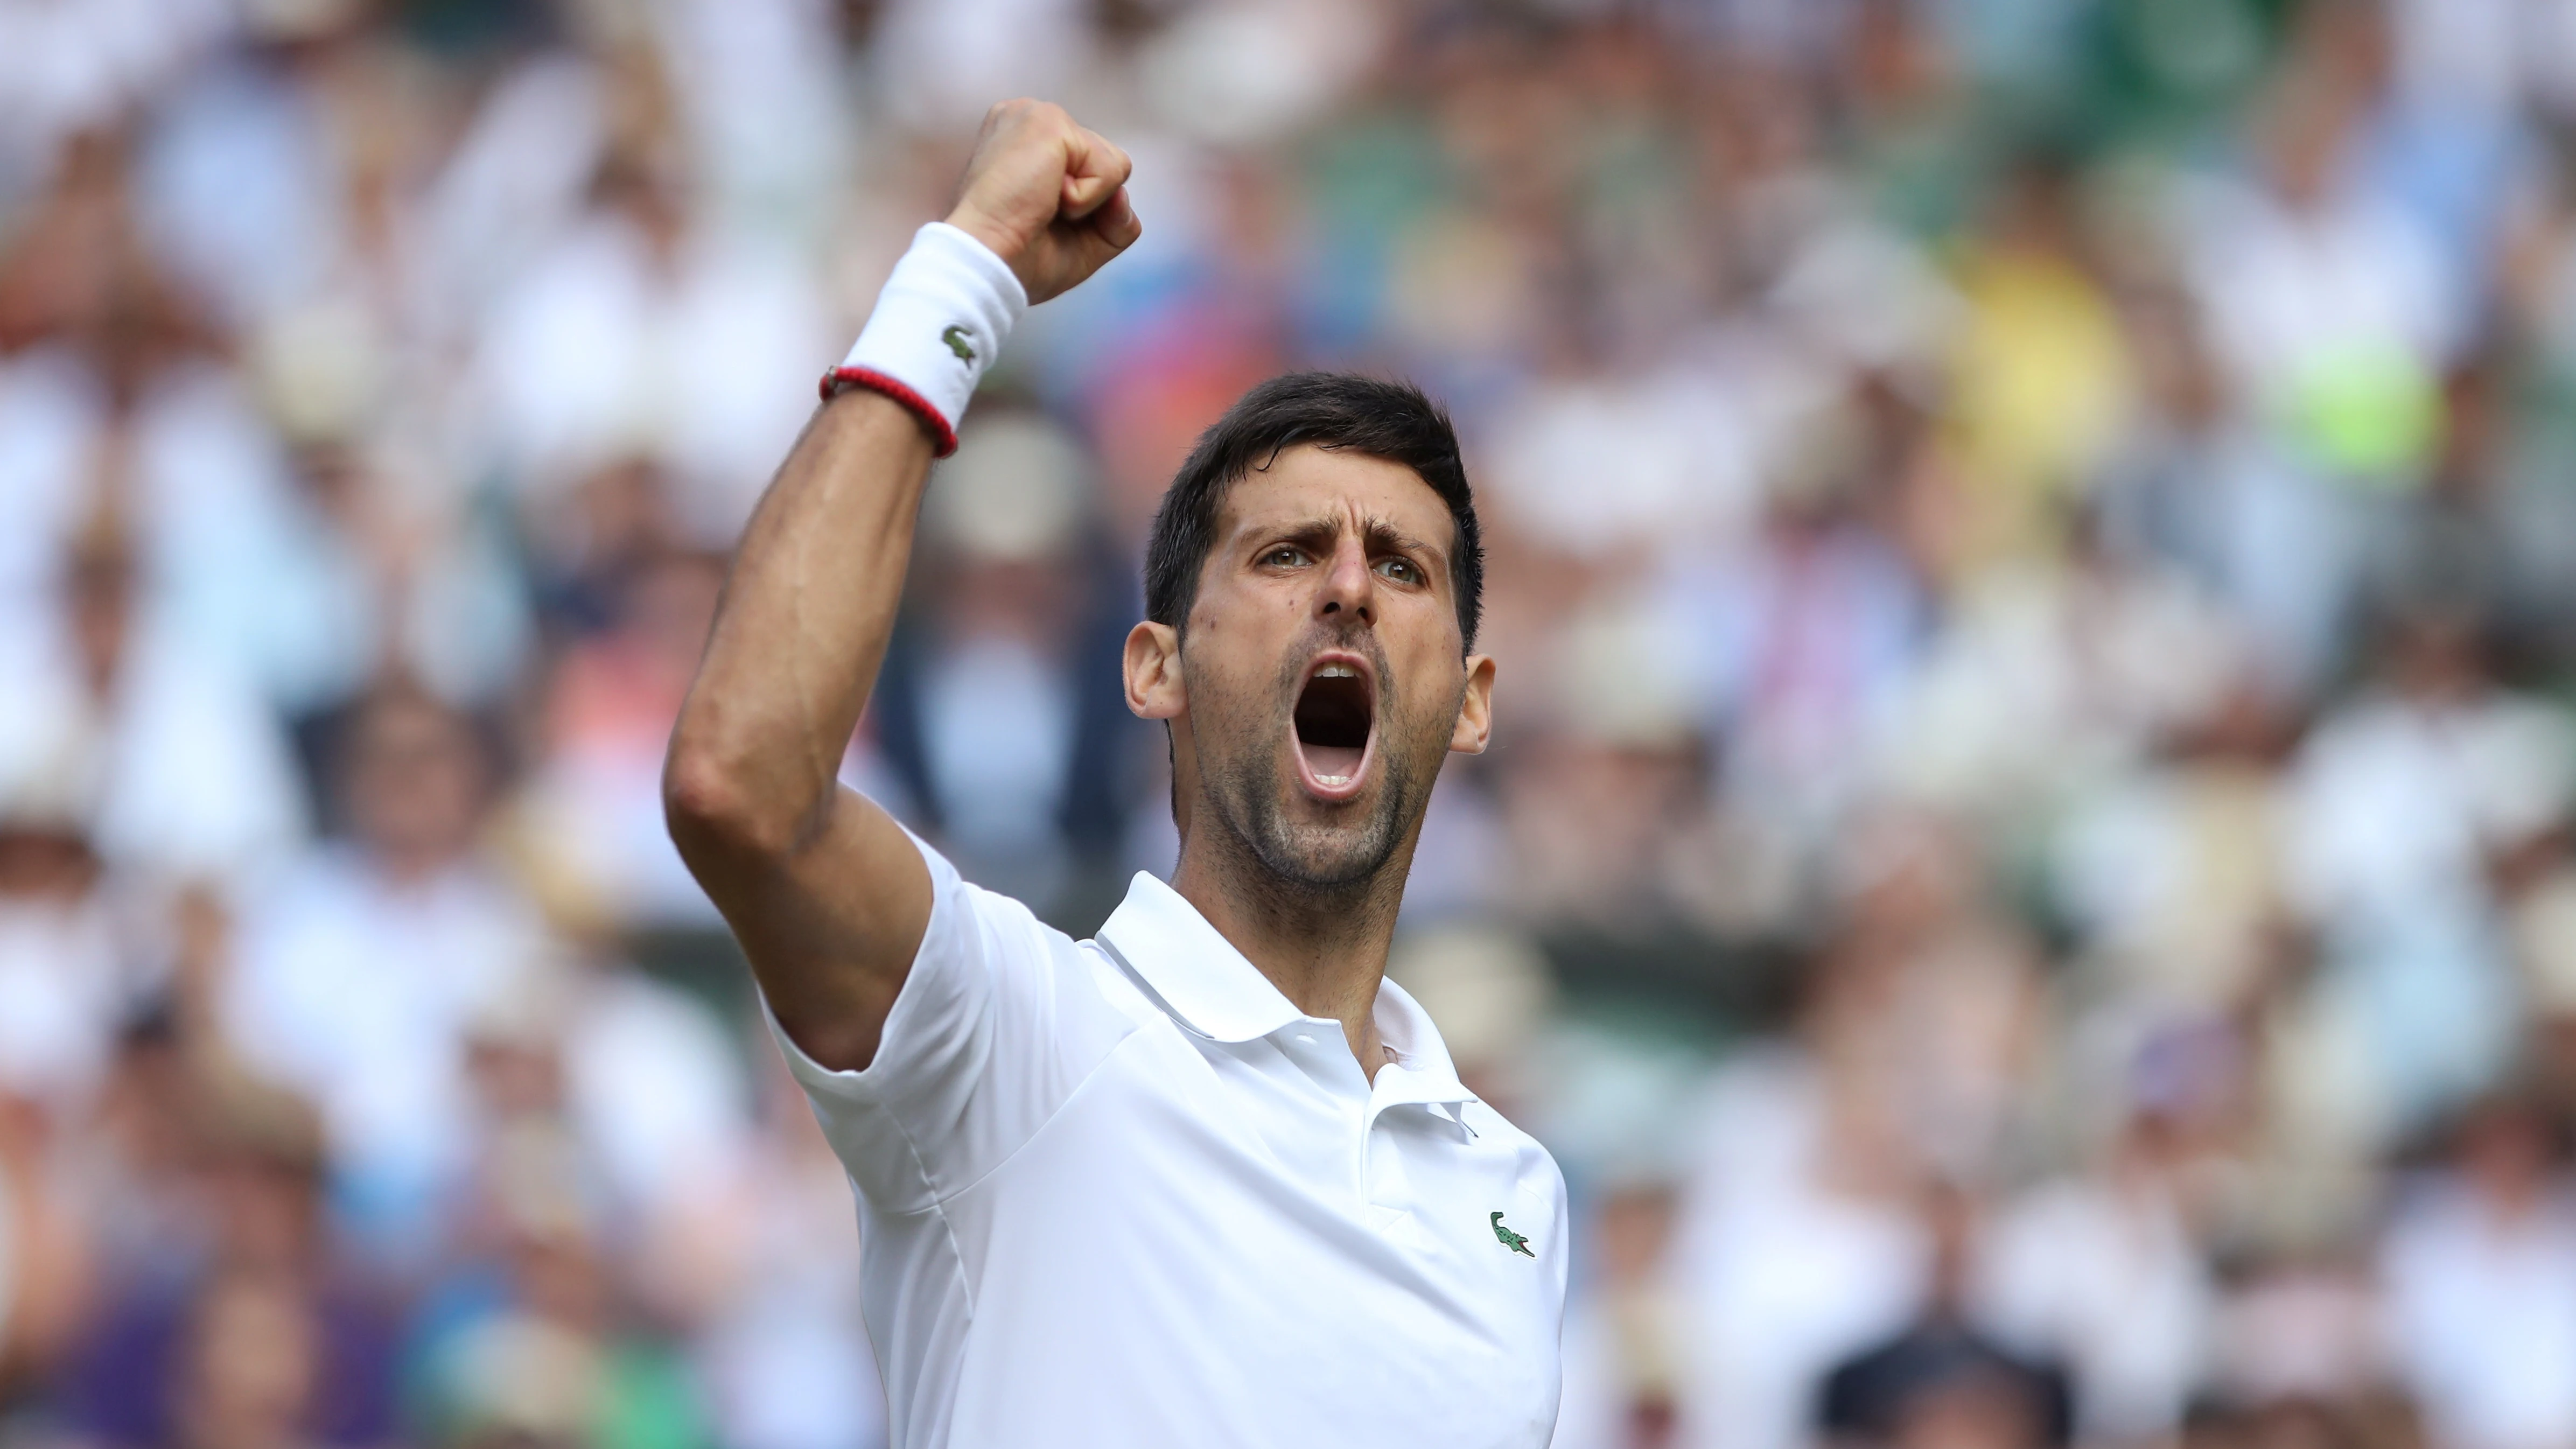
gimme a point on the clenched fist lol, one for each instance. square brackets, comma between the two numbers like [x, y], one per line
[1048, 196]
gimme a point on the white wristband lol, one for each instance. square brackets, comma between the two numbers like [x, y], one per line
[939, 323]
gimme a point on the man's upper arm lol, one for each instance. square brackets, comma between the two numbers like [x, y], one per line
[831, 922]
[991, 1029]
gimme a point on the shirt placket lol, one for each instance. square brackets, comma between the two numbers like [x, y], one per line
[1317, 1049]
[1385, 1180]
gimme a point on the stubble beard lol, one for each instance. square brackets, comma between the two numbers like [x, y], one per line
[1305, 859]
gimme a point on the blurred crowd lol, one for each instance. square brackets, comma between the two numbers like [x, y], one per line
[2028, 871]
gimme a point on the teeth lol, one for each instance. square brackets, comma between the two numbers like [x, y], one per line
[1337, 671]
[1332, 779]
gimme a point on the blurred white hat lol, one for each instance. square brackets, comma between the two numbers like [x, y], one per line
[1486, 987]
[2543, 925]
[51, 772]
[1013, 492]
[1617, 680]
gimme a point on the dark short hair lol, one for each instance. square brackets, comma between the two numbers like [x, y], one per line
[1336, 410]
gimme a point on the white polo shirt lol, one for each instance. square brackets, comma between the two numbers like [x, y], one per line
[1122, 1192]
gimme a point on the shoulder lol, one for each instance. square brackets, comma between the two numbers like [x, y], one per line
[1534, 1169]
[1116, 987]
[1003, 920]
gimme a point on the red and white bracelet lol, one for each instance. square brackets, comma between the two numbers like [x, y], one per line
[939, 323]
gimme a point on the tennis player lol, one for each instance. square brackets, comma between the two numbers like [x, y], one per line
[1207, 1178]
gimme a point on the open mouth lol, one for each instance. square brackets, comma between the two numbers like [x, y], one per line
[1334, 716]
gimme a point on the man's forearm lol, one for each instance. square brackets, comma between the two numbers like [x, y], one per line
[812, 598]
[824, 890]
[801, 633]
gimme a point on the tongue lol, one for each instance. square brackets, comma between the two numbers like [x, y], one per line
[1333, 763]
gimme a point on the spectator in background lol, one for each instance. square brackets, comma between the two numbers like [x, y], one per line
[360, 972]
[1803, 645]
[1799, 1240]
[2402, 803]
[529, 1339]
[66, 975]
[2326, 299]
[188, 778]
[2102, 1272]
[644, 301]
[590, 543]
[248, 1367]
[44, 1251]
[1622, 1361]
[2480, 1267]
[267, 1339]
[2169, 873]
[1944, 1382]
[2042, 376]
[355, 565]
[592, 807]
[2199, 486]
[2298, 1346]
[630, 1080]
[2453, 540]
[773, 1273]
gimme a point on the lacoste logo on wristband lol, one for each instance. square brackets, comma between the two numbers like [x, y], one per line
[943, 315]
[1510, 1239]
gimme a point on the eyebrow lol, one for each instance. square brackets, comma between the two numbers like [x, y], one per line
[1377, 536]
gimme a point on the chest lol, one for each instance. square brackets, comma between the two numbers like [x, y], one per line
[1280, 1237]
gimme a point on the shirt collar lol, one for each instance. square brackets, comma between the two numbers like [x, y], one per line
[1417, 1050]
[1218, 993]
[1202, 979]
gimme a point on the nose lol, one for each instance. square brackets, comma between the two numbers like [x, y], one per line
[1349, 587]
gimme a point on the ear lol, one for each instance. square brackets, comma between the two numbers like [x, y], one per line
[1153, 670]
[1476, 709]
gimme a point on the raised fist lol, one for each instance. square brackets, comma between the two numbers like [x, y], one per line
[1048, 196]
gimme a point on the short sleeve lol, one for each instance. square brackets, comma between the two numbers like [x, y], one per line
[997, 1023]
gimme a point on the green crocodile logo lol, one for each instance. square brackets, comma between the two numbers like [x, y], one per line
[1510, 1239]
[956, 337]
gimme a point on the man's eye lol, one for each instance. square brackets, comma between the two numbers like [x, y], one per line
[1283, 557]
[1401, 570]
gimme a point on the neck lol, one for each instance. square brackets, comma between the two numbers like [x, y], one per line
[408, 867]
[1325, 949]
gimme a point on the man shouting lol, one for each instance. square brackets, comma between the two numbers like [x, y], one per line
[1207, 1178]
